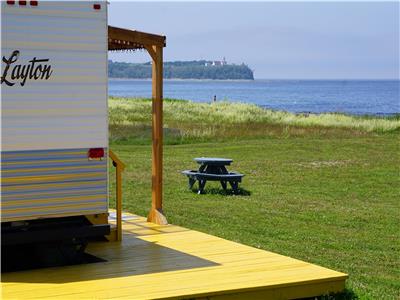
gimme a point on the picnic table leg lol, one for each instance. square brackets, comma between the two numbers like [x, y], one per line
[202, 184]
[223, 170]
[223, 184]
[191, 183]
[234, 185]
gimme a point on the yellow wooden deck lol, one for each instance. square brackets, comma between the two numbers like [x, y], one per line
[158, 262]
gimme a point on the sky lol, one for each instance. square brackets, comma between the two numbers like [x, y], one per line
[278, 40]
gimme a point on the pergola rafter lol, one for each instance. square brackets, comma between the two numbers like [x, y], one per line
[120, 39]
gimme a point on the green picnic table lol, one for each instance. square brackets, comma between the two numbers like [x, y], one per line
[213, 169]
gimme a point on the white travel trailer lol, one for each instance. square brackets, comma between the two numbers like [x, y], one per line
[54, 130]
[54, 121]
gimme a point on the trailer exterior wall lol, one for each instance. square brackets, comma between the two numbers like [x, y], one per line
[49, 124]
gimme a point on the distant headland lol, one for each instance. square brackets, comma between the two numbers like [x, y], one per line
[196, 69]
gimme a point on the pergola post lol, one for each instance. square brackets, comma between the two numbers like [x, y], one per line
[156, 214]
[120, 39]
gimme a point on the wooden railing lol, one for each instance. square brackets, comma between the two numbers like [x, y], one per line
[119, 168]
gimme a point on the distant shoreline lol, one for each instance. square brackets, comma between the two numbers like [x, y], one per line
[242, 113]
[180, 79]
[248, 80]
[297, 113]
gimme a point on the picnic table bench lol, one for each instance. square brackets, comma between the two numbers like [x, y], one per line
[213, 169]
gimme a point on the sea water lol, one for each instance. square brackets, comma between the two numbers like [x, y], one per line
[374, 97]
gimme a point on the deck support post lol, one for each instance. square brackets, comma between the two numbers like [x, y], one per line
[118, 207]
[156, 214]
[119, 168]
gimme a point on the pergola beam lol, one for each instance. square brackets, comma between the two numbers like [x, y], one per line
[138, 39]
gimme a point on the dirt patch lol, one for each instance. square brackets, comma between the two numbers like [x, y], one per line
[324, 163]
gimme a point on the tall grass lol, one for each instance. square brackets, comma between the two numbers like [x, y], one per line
[130, 120]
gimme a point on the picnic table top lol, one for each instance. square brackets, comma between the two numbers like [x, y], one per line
[213, 161]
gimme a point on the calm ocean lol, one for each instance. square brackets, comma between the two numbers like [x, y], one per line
[380, 97]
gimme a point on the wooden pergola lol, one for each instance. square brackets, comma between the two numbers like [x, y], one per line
[120, 39]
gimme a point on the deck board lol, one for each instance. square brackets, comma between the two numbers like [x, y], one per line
[160, 262]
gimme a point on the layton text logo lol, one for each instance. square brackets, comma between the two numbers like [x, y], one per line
[35, 69]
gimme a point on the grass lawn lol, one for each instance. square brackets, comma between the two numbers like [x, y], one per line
[322, 193]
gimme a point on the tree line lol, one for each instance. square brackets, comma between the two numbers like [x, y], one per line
[181, 70]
